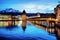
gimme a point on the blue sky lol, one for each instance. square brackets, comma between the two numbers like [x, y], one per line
[31, 6]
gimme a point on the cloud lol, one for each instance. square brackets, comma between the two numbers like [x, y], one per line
[30, 8]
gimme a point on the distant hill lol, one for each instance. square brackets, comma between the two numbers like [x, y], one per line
[17, 12]
[10, 11]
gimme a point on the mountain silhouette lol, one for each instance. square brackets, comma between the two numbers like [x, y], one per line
[10, 10]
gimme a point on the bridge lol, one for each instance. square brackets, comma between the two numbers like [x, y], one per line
[50, 24]
[53, 23]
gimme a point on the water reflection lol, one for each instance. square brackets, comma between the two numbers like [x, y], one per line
[31, 33]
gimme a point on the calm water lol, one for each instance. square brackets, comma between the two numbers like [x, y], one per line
[32, 33]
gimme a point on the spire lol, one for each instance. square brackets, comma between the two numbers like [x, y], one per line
[23, 12]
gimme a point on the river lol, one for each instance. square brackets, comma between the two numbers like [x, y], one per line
[31, 33]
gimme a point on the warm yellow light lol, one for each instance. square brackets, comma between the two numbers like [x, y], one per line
[20, 22]
[56, 19]
[49, 18]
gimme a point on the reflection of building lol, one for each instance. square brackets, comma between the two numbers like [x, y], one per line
[8, 20]
[3, 23]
